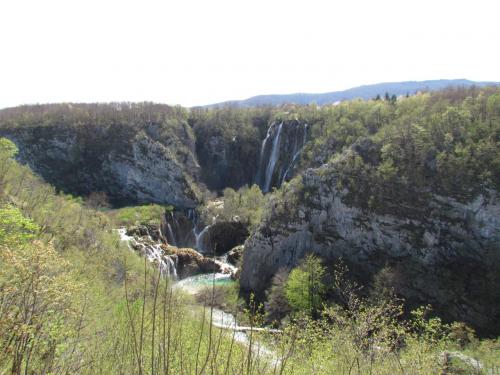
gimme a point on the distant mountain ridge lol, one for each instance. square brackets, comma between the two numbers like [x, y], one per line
[363, 92]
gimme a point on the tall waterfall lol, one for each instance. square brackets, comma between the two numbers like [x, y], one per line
[263, 157]
[280, 153]
[272, 160]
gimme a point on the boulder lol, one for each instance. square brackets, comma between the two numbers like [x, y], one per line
[190, 262]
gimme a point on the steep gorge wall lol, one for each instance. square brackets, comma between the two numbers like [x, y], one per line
[141, 153]
[447, 255]
[130, 163]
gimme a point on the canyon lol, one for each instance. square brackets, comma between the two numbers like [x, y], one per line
[337, 191]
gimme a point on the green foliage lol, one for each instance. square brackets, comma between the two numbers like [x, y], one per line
[429, 328]
[247, 203]
[36, 306]
[86, 134]
[136, 215]
[7, 148]
[15, 229]
[75, 300]
[305, 286]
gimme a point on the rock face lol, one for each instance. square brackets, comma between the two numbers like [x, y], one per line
[225, 163]
[226, 235]
[129, 164]
[184, 229]
[235, 254]
[448, 255]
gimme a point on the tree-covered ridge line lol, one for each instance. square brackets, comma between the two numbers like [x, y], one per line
[445, 141]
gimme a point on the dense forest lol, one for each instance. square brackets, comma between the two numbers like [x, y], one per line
[366, 234]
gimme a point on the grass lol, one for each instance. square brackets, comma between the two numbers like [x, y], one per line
[149, 214]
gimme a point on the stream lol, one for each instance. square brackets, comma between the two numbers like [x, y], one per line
[193, 284]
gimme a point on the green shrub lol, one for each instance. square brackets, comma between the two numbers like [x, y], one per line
[136, 215]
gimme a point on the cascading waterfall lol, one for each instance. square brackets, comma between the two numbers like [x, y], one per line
[262, 156]
[200, 245]
[272, 160]
[277, 159]
[153, 253]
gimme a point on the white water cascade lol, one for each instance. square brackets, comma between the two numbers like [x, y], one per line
[200, 245]
[194, 284]
[153, 253]
[280, 153]
[262, 155]
[272, 160]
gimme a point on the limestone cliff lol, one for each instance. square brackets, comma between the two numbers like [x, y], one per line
[146, 161]
[447, 255]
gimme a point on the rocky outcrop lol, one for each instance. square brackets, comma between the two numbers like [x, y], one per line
[225, 235]
[152, 233]
[447, 255]
[235, 255]
[228, 157]
[189, 262]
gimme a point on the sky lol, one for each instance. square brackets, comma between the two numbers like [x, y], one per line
[200, 52]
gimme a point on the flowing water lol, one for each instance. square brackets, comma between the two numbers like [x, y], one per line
[200, 245]
[194, 284]
[258, 178]
[272, 160]
[153, 253]
[222, 319]
[280, 153]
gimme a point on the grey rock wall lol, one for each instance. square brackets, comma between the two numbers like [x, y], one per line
[446, 257]
[128, 165]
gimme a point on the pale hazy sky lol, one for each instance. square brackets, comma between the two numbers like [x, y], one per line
[198, 52]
